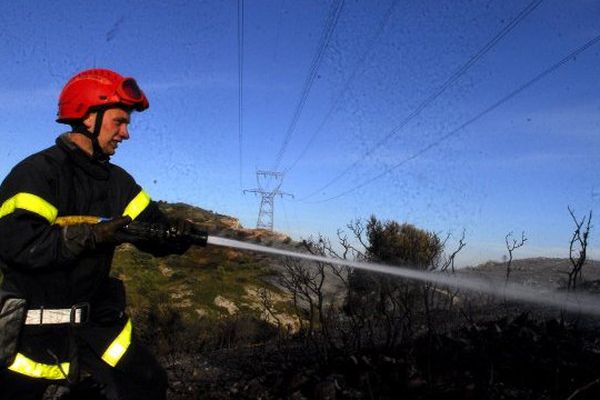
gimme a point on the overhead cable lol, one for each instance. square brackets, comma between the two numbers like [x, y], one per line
[571, 56]
[335, 104]
[437, 93]
[331, 22]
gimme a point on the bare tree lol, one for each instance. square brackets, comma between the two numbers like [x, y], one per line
[313, 303]
[346, 309]
[449, 262]
[305, 285]
[266, 301]
[578, 246]
[511, 245]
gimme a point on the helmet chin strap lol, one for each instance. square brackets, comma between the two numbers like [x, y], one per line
[97, 153]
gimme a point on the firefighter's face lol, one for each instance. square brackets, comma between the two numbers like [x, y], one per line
[114, 130]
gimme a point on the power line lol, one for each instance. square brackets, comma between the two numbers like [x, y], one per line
[543, 74]
[266, 213]
[437, 93]
[368, 49]
[331, 22]
[240, 10]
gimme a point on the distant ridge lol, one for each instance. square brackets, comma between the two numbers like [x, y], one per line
[541, 272]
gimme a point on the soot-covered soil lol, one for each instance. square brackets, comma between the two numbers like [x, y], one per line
[508, 358]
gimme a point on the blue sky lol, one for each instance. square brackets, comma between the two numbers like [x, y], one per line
[516, 168]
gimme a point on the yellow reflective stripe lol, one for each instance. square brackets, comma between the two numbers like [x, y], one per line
[25, 366]
[29, 202]
[137, 205]
[119, 346]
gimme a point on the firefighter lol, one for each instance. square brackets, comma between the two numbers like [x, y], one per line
[74, 324]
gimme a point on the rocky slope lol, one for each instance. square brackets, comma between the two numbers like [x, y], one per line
[203, 314]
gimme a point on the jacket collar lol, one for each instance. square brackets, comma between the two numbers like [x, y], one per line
[96, 169]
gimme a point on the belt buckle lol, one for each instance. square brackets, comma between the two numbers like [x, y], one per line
[84, 315]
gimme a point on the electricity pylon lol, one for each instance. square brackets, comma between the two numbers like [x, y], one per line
[268, 188]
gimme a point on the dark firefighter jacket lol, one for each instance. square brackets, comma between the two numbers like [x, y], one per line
[63, 181]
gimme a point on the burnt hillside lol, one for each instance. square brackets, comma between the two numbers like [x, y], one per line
[224, 329]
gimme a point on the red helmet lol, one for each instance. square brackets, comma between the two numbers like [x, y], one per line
[98, 88]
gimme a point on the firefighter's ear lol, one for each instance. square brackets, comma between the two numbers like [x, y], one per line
[90, 120]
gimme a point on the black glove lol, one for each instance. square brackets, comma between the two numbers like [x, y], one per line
[80, 237]
[178, 236]
[105, 232]
[162, 238]
[180, 229]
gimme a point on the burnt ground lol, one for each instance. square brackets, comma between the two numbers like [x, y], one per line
[518, 357]
[505, 359]
[509, 358]
[494, 350]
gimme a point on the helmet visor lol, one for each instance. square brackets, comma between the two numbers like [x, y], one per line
[129, 91]
[130, 94]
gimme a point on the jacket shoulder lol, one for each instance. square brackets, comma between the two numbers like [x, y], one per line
[49, 157]
[37, 174]
[121, 175]
[41, 164]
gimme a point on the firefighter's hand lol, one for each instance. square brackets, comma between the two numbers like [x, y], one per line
[179, 235]
[105, 232]
[180, 229]
[80, 237]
